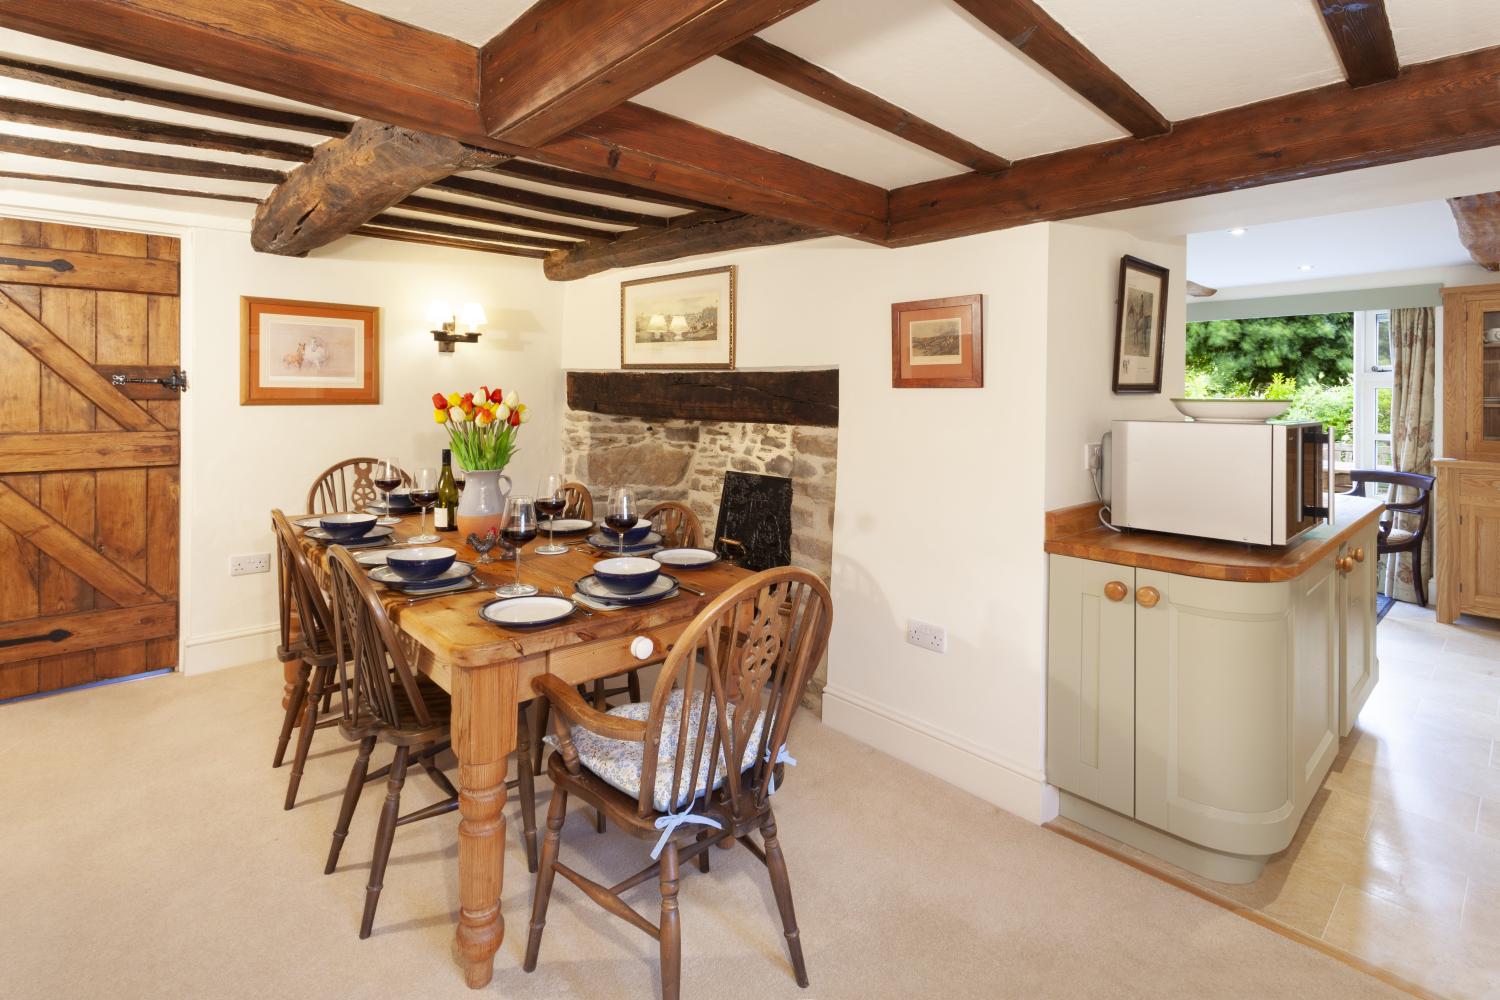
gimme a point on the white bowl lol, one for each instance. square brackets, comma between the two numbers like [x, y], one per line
[627, 574]
[1232, 411]
[421, 563]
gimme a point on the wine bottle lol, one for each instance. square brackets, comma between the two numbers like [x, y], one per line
[445, 517]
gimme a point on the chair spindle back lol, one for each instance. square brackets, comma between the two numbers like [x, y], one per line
[305, 596]
[346, 486]
[678, 525]
[365, 628]
[578, 501]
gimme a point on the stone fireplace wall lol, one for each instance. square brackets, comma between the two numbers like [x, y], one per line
[686, 461]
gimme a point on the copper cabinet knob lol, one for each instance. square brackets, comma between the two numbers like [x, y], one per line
[1115, 590]
[1346, 564]
[1147, 597]
[1359, 554]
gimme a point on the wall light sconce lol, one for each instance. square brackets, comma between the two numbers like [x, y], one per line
[441, 313]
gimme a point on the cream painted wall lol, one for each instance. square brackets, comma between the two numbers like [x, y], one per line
[1083, 282]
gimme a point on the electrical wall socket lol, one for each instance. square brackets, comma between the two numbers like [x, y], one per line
[255, 562]
[1093, 457]
[925, 636]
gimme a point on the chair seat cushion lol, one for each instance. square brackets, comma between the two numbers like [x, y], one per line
[620, 762]
[1397, 536]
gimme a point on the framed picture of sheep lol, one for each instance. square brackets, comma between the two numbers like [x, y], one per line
[308, 352]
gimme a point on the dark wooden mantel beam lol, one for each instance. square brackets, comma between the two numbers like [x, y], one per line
[565, 61]
[1361, 32]
[688, 238]
[1478, 220]
[805, 396]
[349, 181]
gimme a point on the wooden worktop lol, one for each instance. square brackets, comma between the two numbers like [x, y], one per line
[1076, 531]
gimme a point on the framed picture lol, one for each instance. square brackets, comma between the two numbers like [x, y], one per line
[308, 352]
[678, 320]
[1140, 325]
[938, 343]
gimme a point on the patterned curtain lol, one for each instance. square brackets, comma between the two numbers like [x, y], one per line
[1414, 350]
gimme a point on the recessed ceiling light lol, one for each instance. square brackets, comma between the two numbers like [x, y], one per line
[1304, 267]
[1237, 231]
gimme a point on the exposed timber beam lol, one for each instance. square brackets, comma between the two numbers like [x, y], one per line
[1024, 24]
[539, 202]
[474, 213]
[794, 72]
[403, 236]
[639, 144]
[140, 93]
[1478, 219]
[565, 61]
[350, 180]
[1433, 108]
[1361, 33]
[390, 220]
[348, 60]
[557, 177]
[123, 127]
[1198, 291]
[120, 186]
[710, 235]
[129, 159]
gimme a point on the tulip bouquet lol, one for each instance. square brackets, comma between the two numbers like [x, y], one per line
[481, 426]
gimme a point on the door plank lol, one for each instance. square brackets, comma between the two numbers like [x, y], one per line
[94, 271]
[162, 486]
[90, 629]
[121, 538]
[20, 412]
[44, 531]
[86, 450]
[62, 359]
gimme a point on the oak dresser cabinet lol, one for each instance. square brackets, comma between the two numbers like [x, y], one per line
[1468, 488]
[1197, 691]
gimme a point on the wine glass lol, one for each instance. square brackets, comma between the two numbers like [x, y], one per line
[550, 503]
[460, 476]
[386, 477]
[621, 512]
[424, 493]
[520, 528]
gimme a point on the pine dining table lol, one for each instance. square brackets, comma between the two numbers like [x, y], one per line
[488, 671]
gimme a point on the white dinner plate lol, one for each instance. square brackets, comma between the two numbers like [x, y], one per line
[309, 522]
[686, 558]
[600, 540]
[375, 536]
[567, 525]
[453, 574]
[373, 559]
[591, 586]
[527, 612]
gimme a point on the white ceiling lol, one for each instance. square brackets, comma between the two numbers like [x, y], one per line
[472, 21]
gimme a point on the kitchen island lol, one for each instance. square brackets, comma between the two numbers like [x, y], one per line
[1197, 690]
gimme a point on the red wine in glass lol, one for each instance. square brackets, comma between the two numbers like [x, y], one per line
[424, 498]
[387, 485]
[550, 506]
[520, 528]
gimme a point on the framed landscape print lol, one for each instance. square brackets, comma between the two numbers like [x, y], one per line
[1140, 325]
[308, 352]
[678, 320]
[938, 343]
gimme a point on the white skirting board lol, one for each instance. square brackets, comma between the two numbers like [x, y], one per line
[235, 648]
[1011, 786]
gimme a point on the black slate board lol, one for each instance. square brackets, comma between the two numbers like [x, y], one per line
[757, 511]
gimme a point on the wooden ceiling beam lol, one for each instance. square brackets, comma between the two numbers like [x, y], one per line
[637, 144]
[350, 180]
[121, 186]
[704, 236]
[1361, 34]
[129, 159]
[541, 173]
[390, 220]
[1024, 24]
[124, 127]
[1445, 106]
[795, 73]
[475, 213]
[539, 202]
[1478, 220]
[404, 236]
[565, 61]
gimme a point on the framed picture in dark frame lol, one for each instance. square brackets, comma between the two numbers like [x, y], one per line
[938, 343]
[1140, 326]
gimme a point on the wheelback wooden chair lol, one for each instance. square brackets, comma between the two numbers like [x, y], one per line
[577, 501]
[392, 703]
[1394, 540]
[728, 691]
[307, 636]
[346, 486]
[678, 525]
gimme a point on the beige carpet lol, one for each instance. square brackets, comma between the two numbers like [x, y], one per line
[144, 853]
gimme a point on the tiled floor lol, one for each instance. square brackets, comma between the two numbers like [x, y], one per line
[1398, 861]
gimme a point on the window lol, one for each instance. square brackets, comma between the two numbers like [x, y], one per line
[1374, 388]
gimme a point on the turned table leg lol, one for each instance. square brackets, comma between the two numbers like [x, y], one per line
[484, 737]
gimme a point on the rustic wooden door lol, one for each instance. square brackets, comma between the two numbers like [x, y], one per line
[88, 470]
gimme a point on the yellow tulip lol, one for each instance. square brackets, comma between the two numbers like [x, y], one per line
[454, 399]
[441, 416]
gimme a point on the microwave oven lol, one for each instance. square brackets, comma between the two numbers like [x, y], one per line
[1264, 484]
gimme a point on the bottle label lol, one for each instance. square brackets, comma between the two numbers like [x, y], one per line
[443, 518]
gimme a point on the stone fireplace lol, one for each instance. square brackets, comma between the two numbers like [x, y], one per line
[686, 460]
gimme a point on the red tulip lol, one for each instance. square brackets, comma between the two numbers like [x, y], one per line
[439, 401]
[515, 418]
[469, 398]
[496, 395]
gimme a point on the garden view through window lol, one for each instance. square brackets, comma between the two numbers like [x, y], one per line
[1334, 368]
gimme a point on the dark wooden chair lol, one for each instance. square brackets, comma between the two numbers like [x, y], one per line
[678, 525]
[741, 668]
[308, 634]
[579, 502]
[346, 486]
[1395, 539]
[392, 703]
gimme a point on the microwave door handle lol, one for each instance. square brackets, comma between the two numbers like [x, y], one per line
[1322, 438]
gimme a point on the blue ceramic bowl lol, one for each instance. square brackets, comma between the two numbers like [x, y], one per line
[346, 527]
[627, 574]
[632, 535]
[422, 563]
